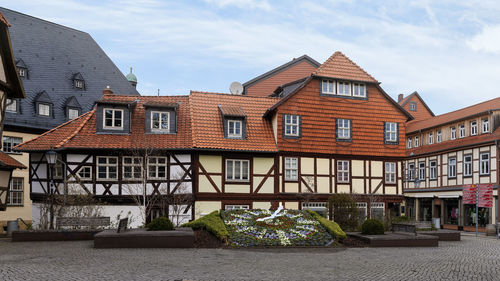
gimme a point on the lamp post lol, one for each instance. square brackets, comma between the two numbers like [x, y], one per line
[51, 157]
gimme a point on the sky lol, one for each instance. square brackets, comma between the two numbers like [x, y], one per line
[447, 51]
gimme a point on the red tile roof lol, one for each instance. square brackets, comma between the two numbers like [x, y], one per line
[9, 162]
[232, 110]
[340, 66]
[208, 128]
[453, 116]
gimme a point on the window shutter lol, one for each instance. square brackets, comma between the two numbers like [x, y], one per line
[300, 126]
[283, 117]
[350, 128]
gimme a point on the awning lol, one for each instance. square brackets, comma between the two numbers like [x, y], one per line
[448, 196]
[424, 196]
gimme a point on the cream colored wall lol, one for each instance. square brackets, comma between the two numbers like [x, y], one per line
[212, 164]
[203, 208]
[24, 212]
[262, 205]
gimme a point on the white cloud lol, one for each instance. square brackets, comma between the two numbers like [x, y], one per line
[488, 40]
[242, 4]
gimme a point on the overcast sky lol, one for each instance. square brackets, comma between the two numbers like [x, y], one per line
[448, 51]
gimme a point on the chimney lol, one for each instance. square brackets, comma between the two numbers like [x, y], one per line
[107, 91]
[400, 98]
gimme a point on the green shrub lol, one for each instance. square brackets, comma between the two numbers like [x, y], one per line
[332, 227]
[400, 219]
[211, 223]
[160, 223]
[344, 211]
[372, 227]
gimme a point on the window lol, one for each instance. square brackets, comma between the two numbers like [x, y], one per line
[411, 171]
[9, 143]
[73, 113]
[160, 121]
[409, 143]
[11, 105]
[234, 128]
[113, 118]
[484, 165]
[85, 173]
[328, 87]
[359, 90]
[452, 167]
[461, 131]
[79, 84]
[416, 141]
[453, 133]
[473, 128]
[237, 170]
[22, 72]
[391, 132]
[343, 129]
[486, 125]
[377, 210]
[16, 192]
[344, 88]
[43, 109]
[291, 168]
[57, 171]
[431, 138]
[467, 165]
[157, 167]
[433, 169]
[237, 207]
[132, 168]
[107, 168]
[421, 171]
[413, 106]
[342, 171]
[362, 207]
[439, 137]
[292, 125]
[390, 172]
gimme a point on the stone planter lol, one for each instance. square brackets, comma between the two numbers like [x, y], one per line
[491, 230]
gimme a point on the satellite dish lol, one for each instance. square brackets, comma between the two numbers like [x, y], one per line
[236, 88]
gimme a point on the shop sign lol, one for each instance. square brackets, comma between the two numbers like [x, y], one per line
[484, 195]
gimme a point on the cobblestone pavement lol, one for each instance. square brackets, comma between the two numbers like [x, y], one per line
[471, 259]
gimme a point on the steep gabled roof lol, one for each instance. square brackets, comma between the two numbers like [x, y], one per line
[340, 66]
[13, 86]
[454, 116]
[10, 163]
[407, 99]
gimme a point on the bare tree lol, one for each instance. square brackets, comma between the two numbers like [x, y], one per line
[180, 201]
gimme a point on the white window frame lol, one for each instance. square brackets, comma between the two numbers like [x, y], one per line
[391, 132]
[291, 168]
[155, 167]
[343, 85]
[362, 207]
[82, 170]
[390, 172]
[377, 205]
[453, 133]
[411, 171]
[431, 138]
[432, 169]
[473, 128]
[484, 163]
[71, 114]
[439, 136]
[22, 72]
[19, 190]
[9, 142]
[421, 171]
[486, 125]
[235, 132]
[461, 131]
[412, 106]
[359, 90]
[467, 166]
[237, 207]
[44, 109]
[79, 84]
[416, 141]
[11, 105]
[292, 121]
[343, 131]
[343, 173]
[161, 122]
[134, 166]
[452, 167]
[232, 177]
[108, 167]
[113, 118]
[328, 87]
[409, 143]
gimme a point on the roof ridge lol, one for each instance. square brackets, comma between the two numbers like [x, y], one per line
[77, 130]
[231, 95]
[339, 53]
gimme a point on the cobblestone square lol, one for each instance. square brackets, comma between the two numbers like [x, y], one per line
[471, 259]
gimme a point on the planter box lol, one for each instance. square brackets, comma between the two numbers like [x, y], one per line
[53, 235]
[141, 238]
[398, 239]
[443, 235]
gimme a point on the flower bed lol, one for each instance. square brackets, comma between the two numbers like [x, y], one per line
[293, 228]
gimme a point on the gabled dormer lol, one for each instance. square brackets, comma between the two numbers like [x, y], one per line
[22, 69]
[416, 106]
[72, 108]
[78, 81]
[161, 118]
[233, 122]
[113, 116]
[44, 106]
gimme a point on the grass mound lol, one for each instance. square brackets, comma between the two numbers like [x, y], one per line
[332, 227]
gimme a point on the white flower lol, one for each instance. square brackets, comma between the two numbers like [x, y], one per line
[283, 239]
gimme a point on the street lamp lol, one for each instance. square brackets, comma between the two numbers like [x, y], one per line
[51, 157]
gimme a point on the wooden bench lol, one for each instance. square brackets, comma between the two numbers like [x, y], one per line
[91, 222]
[403, 227]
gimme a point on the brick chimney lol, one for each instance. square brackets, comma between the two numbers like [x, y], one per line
[107, 91]
[400, 98]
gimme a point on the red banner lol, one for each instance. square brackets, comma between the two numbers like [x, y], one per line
[469, 194]
[485, 198]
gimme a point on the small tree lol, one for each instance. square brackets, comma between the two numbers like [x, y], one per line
[343, 210]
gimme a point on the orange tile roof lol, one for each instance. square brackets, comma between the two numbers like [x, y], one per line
[9, 162]
[232, 110]
[340, 66]
[453, 116]
[208, 128]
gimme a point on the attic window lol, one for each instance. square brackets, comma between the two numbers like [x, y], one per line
[44, 109]
[78, 81]
[234, 121]
[413, 106]
[73, 108]
[234, 128]
[160, 121]
[22, 68]
[11, 105]
[79, 84]
[22, 72]
[43, 104]
[73, 113]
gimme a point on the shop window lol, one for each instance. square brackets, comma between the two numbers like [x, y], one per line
[470, 216]
[452, 211]
[425, 209]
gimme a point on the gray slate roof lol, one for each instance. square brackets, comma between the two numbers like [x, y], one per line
[53, 54]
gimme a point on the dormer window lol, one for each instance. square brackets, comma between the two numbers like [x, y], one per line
[439, 137]
[44, 109]
[344, 88]
[73, 113]
[43, 104]
[486, 125]
[291, 125]
[416, 141]
[160, 121]
[73, 108]
[22, 72]
[22, 68]
[409, 143]
[431, 138]
[358, 90]
[11, 105]
[79, 84]
[234, 128]
[78, 81]
[113, 118]
[413, 106]
[234, 121]
[328, 87]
